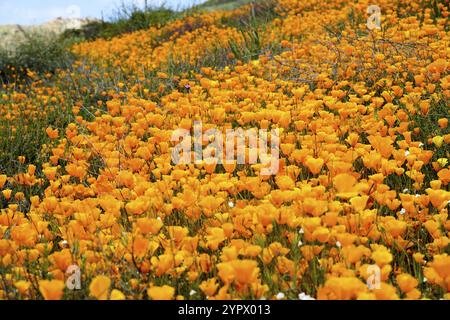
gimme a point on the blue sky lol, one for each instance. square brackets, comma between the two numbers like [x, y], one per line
[40, 11]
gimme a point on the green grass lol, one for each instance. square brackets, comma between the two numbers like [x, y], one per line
[126, 20]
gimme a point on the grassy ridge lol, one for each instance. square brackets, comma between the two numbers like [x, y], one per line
[87, 177]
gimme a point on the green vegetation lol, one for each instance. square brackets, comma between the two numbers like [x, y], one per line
[126, 20]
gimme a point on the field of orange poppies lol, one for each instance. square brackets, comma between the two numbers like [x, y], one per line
[93, 207]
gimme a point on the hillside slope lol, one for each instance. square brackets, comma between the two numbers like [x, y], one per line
[12, 35]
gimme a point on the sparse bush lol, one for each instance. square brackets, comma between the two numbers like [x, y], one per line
[126, 19]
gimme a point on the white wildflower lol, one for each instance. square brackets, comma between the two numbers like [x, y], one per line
[280, 295]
